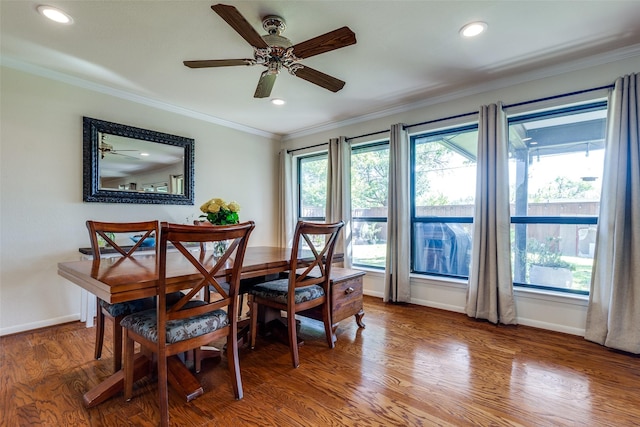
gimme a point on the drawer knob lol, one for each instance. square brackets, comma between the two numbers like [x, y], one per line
[349, 290]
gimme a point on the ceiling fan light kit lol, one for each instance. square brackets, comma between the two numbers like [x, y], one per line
[276, 52]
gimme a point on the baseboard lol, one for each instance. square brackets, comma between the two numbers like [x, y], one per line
[37, 325]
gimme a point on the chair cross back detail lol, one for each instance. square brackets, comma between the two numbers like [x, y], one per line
[318, 264]
[210, 277]
[103, 229]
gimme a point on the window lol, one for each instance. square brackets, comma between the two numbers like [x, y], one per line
[443, 192]
[555, 176]
[312, 187]
[369, 187]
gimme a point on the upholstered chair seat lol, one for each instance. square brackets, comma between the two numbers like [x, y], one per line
[146, 324]
[126, 308]
[278, 290]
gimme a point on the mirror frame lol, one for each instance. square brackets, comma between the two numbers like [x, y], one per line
[91, 154]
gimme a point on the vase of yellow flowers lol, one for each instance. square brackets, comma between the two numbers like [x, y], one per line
[219, 212]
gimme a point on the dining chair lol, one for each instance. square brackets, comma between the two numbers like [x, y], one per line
[307, 284]
[111, 233]
[190, 323]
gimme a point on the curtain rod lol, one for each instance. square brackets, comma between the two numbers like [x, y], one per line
[611, 86]
[304, 148]
[563, 95]
[440, 120]
[367, 134]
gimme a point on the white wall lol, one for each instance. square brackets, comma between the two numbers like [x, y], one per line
[544, 310]
[42, 215]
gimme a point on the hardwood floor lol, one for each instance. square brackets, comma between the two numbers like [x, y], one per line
[411, 366]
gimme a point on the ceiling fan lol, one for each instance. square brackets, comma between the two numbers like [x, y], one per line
[277, 52]
[105, 148]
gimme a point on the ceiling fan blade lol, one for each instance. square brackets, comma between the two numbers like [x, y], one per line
[332, 40]
[235, 19]
[319, 78]
[125, 155]
[217, 63]
[265, 84]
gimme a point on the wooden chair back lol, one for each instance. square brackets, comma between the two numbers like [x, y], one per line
[312, 255]
[219, 273]
[106, 230]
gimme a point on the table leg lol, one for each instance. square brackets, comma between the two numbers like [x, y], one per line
[115, 383]
[179, 377]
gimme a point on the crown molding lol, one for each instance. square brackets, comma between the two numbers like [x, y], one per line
[100, 88]
[576, 65]
[595, 60]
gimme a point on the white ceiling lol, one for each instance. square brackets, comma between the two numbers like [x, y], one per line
[406, 51]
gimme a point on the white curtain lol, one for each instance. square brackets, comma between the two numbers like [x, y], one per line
[339, 193]
[396, 279]
[286, 211]
[490, 291]
[613, 316]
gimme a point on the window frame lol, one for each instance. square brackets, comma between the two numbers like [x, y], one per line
[368, 146]
[595, 105]
[412, 194]
[299, 161]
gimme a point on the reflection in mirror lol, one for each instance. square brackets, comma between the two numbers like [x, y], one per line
[129, 164]
[123, 164]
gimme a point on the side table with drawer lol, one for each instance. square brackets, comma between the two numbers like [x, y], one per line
[346, 298]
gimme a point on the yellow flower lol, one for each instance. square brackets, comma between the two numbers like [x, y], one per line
[213, 208]
[219, 212]
[234, 207]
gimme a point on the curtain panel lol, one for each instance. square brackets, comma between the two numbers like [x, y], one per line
[613, 315]
[339, 193]
[396, 280]
[490, 290]
[286, 207]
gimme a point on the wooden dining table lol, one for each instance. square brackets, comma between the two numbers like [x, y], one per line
[124, 279]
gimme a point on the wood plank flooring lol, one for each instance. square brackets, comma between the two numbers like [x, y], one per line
[411, 366]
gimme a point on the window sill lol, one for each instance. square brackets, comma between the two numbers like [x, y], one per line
[540, 294]
[439, 280]
[547, 295]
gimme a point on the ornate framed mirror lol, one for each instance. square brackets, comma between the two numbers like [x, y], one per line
[125, 164]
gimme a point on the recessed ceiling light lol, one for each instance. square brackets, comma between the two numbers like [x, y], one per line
[277, 101]
[54, 14]
[473, 29]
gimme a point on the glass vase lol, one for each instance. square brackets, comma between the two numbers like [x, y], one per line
[219, 248]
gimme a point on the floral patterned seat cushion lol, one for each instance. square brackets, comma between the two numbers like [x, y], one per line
[145, 323]
[277, 290]
[130, 307]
